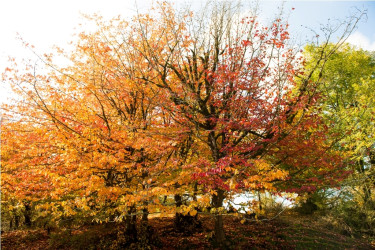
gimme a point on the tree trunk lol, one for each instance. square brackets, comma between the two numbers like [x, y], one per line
[27, 214]
[218, 198]
[179, 222]
[185, 223]
[260, 202]
[146, 236]
[145, 214]
[16, 222]
[366, 190]
[178, 217]
[131, 224]
[217, 202]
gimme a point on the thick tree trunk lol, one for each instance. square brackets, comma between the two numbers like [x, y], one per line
[146, 235]
[177, 221]
[218, 198]
[217, 202]
[131, 224]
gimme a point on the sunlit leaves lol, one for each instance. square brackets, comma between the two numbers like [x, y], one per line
[161, 105]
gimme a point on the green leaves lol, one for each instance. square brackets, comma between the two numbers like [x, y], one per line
[348, 90]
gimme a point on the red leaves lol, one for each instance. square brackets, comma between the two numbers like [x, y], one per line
[246, 43]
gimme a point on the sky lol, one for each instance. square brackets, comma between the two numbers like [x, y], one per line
[45, 23]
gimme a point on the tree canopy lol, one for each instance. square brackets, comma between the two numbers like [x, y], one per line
[170, 104]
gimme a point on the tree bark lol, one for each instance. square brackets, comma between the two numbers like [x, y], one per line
[16, 221]
[260, 202]
[131, 224]
[177, 221]
[27, 214]
[217, 202]
[145, 214]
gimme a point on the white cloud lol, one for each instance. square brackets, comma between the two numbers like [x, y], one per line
[361, 41]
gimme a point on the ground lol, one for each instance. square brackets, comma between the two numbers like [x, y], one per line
[288, 231]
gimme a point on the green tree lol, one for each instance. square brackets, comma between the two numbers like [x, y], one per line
[348, 107]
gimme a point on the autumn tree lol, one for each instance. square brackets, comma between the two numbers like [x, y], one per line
[208, 104]
[233, 82]
[104, 129]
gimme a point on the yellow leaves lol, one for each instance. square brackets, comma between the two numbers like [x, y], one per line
[67, 207]
[97, 220]
[213, 192]
[82, 203]
[185, 210]
[193, 212]
[204, 200]
[265, 175]
[158, 191]
[219, 210]
[261, 164]
[232, 184]
[230, 169]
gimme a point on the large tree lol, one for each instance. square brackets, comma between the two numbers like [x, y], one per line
[206, 104]
[347, 91]
[233, 83]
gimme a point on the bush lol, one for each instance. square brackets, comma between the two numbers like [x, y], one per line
[350, 218]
